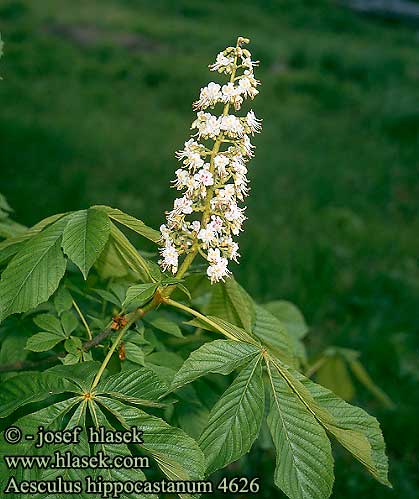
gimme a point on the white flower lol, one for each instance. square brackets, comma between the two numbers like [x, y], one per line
[216, 224]
[213, 177]
[226, 194]
[170, 257]
[232, 125]
[221, 63]
[217, 271]
[247, 146]
[207, 235]
[183, 205]
[229, 91]
[208, 125]
[209, 96]
[165, 232]
[182, 178]
[205, 177]
[232, 249]
[213, 255]
[195, 226]
[253, 122]
[220, 162]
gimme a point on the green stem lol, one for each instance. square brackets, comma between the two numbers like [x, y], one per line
[315, 367]
[200, 316]
[138, 314]
[89, 332]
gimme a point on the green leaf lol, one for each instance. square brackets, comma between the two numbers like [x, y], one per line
[137, 386]
[27, 388]
[4, 205]
[69, 322]
[44, 341]
[82, 374]
[130, 255]
[50, 418]
[73, 345]
[163, 324]
[273, 334]
[13, 347]
[29, 233]
[85, 237]
[215, 324]
[304, 462]
[231, 302]
[177, 455]
[134, 353]
[353, 420]
[34, 273]
[139, 294]
[110, 263]
[131, 222]
[356, 441]
[115, 474]
[334, 375]
[50, 323]
[359, 370]
[234, 422]
[78, 418]
[63, 300]
[219, 356]
[290, 316]
[108, 296]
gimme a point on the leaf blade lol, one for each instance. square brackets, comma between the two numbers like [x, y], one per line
[85, 237]
[219, 357]
[34, 273]
[304, 467]
[234, 422]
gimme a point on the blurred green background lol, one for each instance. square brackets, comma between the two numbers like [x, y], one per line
[96, 97]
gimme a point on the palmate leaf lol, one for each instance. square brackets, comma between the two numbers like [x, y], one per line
[134, 353]
[85, 237]
[82, 448]
[334, 375]
[362, 375]
[234, 422]
[219, 357]
[110, 263]
[163, 324]
[177, 454]
[304, 468]
[221, 326]
[35, 271]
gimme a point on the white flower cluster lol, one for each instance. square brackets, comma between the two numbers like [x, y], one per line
[213, 177]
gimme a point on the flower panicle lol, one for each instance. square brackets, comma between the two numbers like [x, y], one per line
[212, 177]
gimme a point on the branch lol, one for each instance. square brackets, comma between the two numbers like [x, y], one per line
[22, 365]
